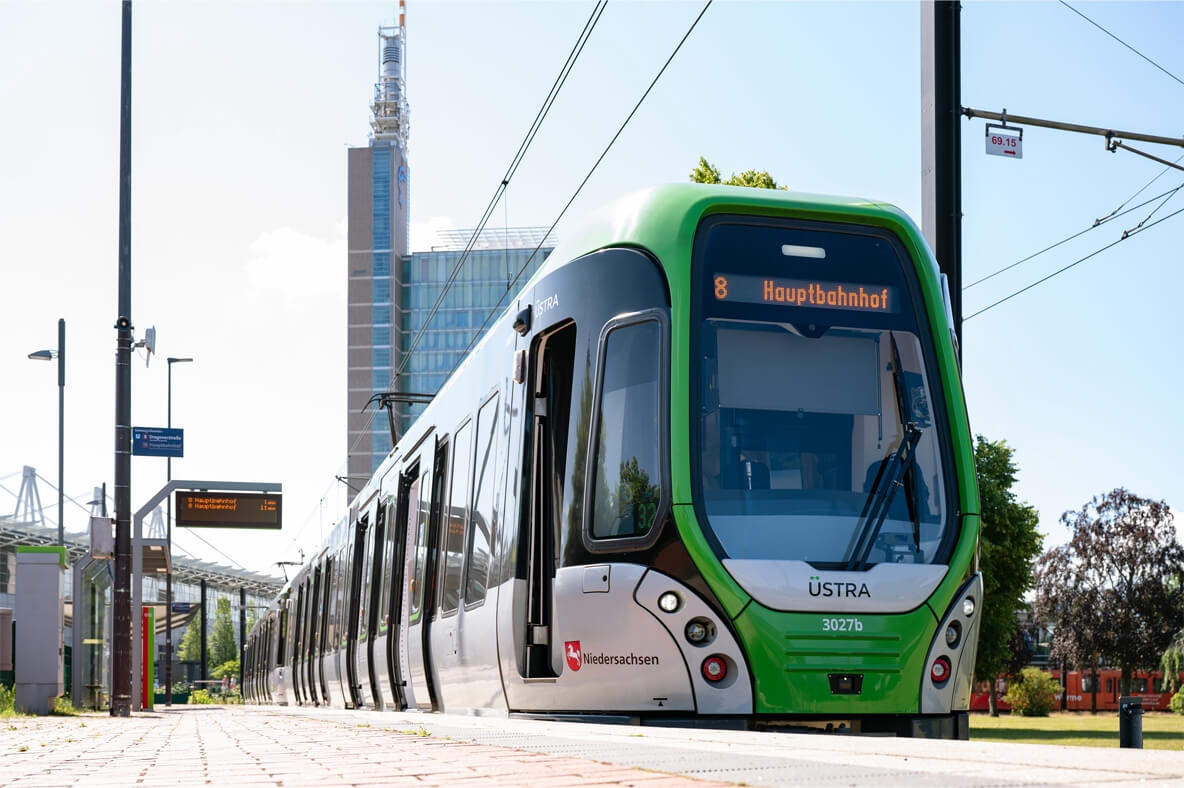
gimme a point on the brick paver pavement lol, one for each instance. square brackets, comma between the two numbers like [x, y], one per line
[225, 746]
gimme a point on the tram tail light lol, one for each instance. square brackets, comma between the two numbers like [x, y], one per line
[715, 669]
[939, 673]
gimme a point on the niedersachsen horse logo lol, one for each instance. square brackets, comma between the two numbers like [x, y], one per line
[575, 657]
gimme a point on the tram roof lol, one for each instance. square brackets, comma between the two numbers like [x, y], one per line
[663, 218]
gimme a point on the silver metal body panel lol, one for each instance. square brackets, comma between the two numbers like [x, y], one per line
[614, 653]
[464, 648]
[277, 685]
[334, 679]
[382, 672]
[362, 666]
[954, 694]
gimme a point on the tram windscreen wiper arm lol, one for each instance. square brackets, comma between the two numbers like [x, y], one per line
[875, 511]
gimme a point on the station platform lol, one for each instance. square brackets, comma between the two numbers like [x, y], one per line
[276, 746]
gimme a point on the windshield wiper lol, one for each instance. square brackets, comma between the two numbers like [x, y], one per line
[891, 475]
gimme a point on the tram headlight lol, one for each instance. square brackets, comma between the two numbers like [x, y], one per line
[954, 634]
[669, 602]
[699, 632]
[968, 606]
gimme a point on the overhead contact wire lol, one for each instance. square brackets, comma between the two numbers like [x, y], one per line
[579, 188]
[560, 80]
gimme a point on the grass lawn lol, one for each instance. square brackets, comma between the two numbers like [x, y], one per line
[1161, 730]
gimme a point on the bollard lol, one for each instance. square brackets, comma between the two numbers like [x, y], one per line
[1130, 722]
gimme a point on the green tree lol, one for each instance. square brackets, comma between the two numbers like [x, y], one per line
[190, 648]
[1172, 664]
[222, 646]
[1009, 543]
[707, 172]
[1113, 593]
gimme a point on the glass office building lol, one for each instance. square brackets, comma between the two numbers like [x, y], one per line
[392, 291]
[485, 284]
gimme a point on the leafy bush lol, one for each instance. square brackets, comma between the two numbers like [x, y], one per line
[229, 668]
[7, 699]
[63, 707]
[1177, 703]
[1033, 693]
[200, 696]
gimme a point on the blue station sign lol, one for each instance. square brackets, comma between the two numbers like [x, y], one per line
[158, 442]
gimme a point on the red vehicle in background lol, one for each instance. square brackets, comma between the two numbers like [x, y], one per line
[1079, 689]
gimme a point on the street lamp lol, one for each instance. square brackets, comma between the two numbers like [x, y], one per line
[168, 578]
[60, 355]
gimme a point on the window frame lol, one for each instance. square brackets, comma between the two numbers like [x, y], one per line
[617, 544]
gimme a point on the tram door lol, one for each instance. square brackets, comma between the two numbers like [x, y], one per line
[372, 606]
[314, 644]
[298, 646]
[323, 635]
[354, 614]
[551, 382]
[424, 544]
[396, 644]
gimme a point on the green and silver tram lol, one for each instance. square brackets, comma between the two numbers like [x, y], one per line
[713, 466]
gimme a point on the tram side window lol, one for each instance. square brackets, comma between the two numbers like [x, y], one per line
[482, 523]
[283, 633]
[420, 501]
[626, 484]
[455, 518]
[384, 600]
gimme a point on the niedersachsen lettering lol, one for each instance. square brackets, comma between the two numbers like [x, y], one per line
[619, 659]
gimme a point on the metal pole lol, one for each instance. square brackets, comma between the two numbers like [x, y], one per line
[203, 632]
[941, 148]
[168, 578]
[1110, 134]
[61, 425]
[242, 635]
[121, 625]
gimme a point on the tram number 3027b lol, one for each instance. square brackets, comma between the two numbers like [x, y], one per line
[842, 625]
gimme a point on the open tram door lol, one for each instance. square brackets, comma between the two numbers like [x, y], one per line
[356, 697]
[552, 358]
[422, 527]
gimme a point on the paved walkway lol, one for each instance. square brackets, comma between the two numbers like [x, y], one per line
[231, 746]
[234, 746]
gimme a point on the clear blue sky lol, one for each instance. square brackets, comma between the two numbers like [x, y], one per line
[243, 111]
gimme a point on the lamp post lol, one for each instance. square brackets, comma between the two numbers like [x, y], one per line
[168, 578]
[60, 355]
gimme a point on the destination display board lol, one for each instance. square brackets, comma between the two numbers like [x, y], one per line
[850, 296]
[228, 510]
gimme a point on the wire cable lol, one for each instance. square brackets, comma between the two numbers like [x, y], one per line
[544, 110]
[505, 182]
[497, 306]
[1097, 223]
[1125, 236]
[1119, 40]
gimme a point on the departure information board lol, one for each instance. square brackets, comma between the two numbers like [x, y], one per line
[228, 510]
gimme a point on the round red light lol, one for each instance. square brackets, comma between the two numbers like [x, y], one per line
[714, 669]
[940, 672]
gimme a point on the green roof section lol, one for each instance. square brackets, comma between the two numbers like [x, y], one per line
[59, 550]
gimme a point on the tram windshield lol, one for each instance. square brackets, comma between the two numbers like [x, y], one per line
[816, 440]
